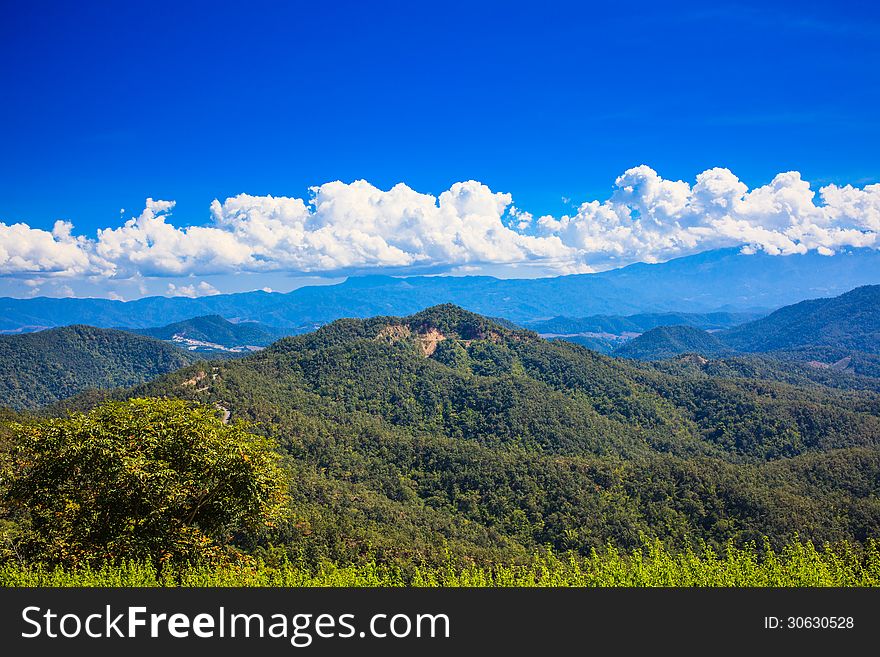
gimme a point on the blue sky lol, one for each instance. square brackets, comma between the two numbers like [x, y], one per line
[107, 105]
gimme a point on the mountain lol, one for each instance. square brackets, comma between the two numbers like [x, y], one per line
[212, 333]
[669, 341]
[43, 312]
[723, 279]
[43, 367]
[850, 321]
[844, 376]
[840, 333]
[639, 323]
[602, 343]
[408, 437]
[606, 333]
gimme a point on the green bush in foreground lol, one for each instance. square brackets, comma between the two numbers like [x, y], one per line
[147, 479]
[798, 564]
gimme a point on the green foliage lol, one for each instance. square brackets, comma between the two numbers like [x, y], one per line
[445, 435]
[850, 321]
[605, 346]
[796, 565]
[43, 367]
[408, 437]
[452, 354]
[788, 368]
[143, 479]
[668, 341]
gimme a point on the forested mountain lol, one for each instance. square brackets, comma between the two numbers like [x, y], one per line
[850, 321]
[603, 344]
[669, 341]
[213, 333]
[841, 333]
[638, 323]
[723, 279]
[444, 430]
[769, 367]
[608, 333]
[43, 367]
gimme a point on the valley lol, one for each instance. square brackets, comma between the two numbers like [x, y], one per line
[446, 432]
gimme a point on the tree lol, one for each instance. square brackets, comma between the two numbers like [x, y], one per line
[143, 479]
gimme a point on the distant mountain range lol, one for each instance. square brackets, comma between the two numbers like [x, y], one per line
[212, 333]
[46, 366]
[842, 332]
[849, 321]
[707, 282]
[639, 323]
[605, 333]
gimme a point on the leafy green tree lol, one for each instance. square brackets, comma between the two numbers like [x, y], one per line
[150, 479]
[12, 524]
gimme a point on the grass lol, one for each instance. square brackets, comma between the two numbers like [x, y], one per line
[796, 565]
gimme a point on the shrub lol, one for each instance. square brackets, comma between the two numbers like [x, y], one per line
[148, 479]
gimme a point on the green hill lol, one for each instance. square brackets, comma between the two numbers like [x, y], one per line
[669, 341]
[600, 344]
[442, 431]
[842, 375]
[850, 322]
[606, 333]
[43, 367]
[214, 333]
[639, 323]
[838, 334]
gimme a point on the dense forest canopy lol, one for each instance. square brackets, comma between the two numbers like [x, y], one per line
[410, 437]
[668, 341]
[841, 334]
[43, 367]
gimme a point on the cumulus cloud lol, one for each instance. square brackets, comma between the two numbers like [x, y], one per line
[652, 219]
[26, 250]
[357, 226]
[203, 289]
[150, 246]
[349, 227]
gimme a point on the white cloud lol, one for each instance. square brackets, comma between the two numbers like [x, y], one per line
[151, 246]
[355, 227]
[652, 219]
[203, 289]
[26, 250]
